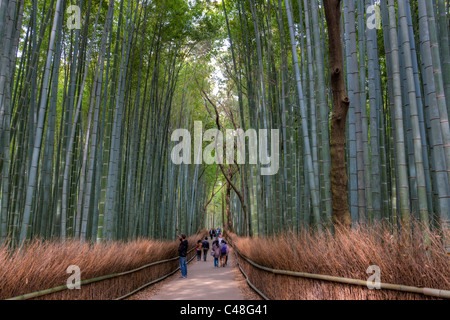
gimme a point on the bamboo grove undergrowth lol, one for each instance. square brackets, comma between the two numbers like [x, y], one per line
[86, 115]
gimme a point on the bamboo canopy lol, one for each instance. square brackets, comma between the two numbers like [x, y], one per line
[357, 90]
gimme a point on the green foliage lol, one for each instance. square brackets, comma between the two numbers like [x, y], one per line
[151, 67]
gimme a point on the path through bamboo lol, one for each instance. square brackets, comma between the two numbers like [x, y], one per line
[204, 282]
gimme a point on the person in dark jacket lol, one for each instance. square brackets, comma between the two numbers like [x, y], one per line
[182, 251]
[205, 246]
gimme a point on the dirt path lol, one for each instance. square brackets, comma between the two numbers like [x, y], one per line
[204, 282]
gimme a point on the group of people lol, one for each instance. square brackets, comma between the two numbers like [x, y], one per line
[219, 250]
[213, 233]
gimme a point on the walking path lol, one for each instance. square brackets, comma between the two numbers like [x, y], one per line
[204, 282]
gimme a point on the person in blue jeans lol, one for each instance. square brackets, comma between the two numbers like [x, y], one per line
[182, 251]
[216, 253]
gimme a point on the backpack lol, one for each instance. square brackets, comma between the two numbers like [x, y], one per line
[224, 249]
[205, 244]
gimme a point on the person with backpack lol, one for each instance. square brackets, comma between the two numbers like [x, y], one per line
[224, 250]
[205, 247]
[216, 253]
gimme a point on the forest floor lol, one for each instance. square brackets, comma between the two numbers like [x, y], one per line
[203, 282]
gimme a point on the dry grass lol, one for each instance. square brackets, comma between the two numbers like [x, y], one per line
[408, 262]
[43, 265]
[246, 290]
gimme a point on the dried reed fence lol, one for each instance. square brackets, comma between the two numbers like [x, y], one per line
[404, 262]
[43, 266]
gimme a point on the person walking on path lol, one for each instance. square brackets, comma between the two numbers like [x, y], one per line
[182, 252]
[198, 248]
[223, 253]
[216, 253]
[205, 247]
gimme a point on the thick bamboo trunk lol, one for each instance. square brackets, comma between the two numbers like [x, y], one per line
[341, 214]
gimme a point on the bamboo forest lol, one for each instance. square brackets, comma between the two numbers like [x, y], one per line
[311, 136]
